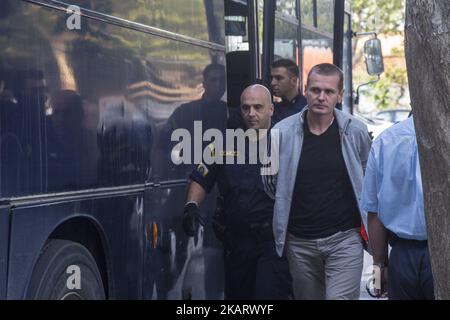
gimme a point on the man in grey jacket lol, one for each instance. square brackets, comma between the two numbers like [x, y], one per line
[317, 219]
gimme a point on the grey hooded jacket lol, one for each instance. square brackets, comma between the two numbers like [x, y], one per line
[355, 142]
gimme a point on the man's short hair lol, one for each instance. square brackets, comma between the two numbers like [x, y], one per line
[288, 64]
[327, 69]
[213, 67]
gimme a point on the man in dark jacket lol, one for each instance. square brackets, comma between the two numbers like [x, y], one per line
[284, 75]
[252, 268]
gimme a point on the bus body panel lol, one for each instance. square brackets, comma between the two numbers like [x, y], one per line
[119, 222]
[89, 109]
[173, 266]
[176, 266]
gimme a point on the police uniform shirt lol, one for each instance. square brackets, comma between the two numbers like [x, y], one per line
[285, 108]
[245, 202]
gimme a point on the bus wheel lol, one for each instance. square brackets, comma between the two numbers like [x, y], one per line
[65, 270]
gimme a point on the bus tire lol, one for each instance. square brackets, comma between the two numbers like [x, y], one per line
[65, 270]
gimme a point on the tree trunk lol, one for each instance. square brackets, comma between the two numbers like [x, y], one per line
[427, 45]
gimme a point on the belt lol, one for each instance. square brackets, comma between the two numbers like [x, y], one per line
[393, 239]
[254, 232]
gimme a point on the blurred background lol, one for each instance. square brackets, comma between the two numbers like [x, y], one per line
[387, 101]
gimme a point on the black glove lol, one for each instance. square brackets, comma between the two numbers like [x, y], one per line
[191, 219]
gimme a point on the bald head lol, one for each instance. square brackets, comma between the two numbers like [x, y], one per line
[258, 89]
[256, 107]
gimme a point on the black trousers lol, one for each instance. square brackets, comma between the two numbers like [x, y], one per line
[409, 273]
[254, 271]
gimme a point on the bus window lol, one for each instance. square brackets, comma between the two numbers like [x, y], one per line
[286, 31]
[287, 7]
[236, 31]
[318, 14]
[215, 18]
[245, 29]
[307, 13]
[317, 40]
[236, 26]
[325, 15]
[188, 19]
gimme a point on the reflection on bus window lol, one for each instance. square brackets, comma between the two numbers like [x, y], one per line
[237, 35]
[68, 154]
[286, 43]
[286, 31]
[307, 12]
[207, 112]
[287, 7]
[317, 48]
[325, 15]
[187, 19]
[317, 33]
[236, 26]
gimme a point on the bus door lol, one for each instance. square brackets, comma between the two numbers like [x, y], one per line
[243, 42]
[257, 32]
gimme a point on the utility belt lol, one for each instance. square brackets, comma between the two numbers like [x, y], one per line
[253, 235]
[254, 231]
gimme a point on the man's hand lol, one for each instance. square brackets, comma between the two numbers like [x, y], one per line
[191, 219]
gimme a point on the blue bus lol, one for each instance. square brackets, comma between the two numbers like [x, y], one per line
[90, 90]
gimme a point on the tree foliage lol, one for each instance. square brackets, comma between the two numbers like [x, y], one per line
[382, 16]
[391, 88]
[386, 18]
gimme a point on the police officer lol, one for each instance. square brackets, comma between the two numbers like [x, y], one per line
[284, 76]
[252, 268]
[284, 82]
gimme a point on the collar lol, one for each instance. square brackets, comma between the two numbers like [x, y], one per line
[341, 118]
[293, 100]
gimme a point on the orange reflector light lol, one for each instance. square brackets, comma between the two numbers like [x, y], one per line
[154, 235]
